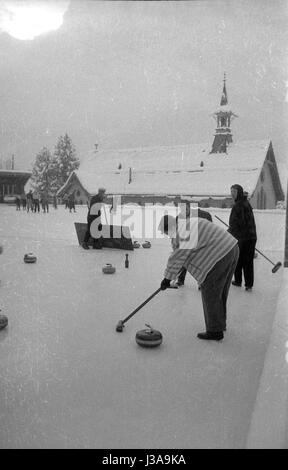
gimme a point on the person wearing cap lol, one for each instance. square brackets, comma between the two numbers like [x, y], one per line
[210, 254]
[242, 226]
[94, 213]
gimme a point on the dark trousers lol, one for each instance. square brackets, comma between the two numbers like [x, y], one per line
[36, 207]
[30, 205]
[97, 242]
[45, 207]
[245, 263]
[215, 289]
[71, 206]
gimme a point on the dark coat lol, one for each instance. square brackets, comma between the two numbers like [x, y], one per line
[241, 221]
[94, 200]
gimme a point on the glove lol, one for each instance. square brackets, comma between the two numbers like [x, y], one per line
[165, 283]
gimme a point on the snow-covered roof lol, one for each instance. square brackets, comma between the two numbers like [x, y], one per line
[215, 182]
[174, 169]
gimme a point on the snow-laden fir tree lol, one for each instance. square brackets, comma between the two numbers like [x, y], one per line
[44, 173]
[66, 160]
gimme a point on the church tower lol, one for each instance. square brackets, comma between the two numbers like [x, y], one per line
[223, 117]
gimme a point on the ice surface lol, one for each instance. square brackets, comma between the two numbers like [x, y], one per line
[69, 380]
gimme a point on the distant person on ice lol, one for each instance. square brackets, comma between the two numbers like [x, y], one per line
[65, 200]
[29, 199]
[71, 202]
[96, 201]
[210, 254]
[55, 201]
[45, 201]
[18, 203]
[242, 226]
[36, 201]
[23, 201]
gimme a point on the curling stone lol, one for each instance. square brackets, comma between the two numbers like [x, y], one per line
[30, 258]
[136, 244]
[3, 321]
[108, 269]
[146, 244]
[148, 338]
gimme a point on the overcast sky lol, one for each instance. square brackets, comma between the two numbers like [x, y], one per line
[138, 73]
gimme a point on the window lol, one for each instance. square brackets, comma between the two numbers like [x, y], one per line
[78, 193]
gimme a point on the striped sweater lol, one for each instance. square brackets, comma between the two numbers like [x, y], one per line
[198, 252]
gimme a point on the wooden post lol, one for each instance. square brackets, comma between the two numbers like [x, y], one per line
[286, 236]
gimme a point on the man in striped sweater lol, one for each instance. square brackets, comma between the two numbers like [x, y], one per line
[187, 213]
[210, 254]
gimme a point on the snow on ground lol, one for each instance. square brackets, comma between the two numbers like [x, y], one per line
[69, 380]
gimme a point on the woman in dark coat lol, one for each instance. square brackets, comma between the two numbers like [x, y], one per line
[242, 227]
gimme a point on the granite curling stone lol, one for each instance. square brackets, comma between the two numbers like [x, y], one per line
[3, 321]
[136, 244]
[30, 258]
[108, 269]
[146, 244]
[149, 338]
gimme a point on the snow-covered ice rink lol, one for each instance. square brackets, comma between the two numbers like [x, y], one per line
[69, 380]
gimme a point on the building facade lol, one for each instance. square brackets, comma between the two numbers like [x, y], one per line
[12, 183]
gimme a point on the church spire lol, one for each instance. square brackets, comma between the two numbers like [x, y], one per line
[223, 116]
[224, 97]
